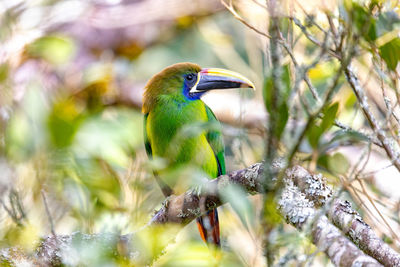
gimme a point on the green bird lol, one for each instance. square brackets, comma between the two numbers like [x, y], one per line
[182, 130]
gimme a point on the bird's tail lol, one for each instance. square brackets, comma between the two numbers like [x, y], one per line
[209, 227]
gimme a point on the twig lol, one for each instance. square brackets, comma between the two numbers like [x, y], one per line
[313, 116]
[314, 40]
[311, 18]
[239, 18]
[334, 31]
[16, 212]
[303, 72]
[363, 101]
[376, 209]
[386, 99]
[48, 213]
[369, 137]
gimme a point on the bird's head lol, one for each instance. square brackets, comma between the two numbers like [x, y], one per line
[188, 81]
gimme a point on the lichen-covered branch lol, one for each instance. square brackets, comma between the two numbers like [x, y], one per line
[186, 207]
[302, 195]
[350, 223]
[302, 204]
[338, 248]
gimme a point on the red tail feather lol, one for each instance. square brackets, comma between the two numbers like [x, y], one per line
[209, 227]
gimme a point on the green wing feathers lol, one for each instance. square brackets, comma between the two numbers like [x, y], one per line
[214, 138]
[146, 139]
[167, 191]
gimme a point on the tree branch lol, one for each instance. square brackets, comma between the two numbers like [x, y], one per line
[302, 203]
[351, 224]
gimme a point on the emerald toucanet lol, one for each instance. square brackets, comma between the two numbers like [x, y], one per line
[183, 131]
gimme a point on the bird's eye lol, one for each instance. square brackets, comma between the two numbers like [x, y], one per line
[190, 77]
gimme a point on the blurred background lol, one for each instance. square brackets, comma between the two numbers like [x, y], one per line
[72, 75]
[71, 146]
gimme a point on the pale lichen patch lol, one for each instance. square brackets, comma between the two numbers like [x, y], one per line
[181, 214]
[251, 176]
[295, 207]
[314, 186]
[196, 212]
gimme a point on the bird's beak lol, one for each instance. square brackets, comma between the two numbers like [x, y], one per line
[213, 78]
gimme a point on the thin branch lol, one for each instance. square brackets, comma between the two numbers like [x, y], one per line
[303, 28]
[16, 211]
[369, 137]
[376, 209]
[363, 101]
[313, 116]
[310, 17]
[48, 213]
[334, 31]
[231, 9]
[303, 72]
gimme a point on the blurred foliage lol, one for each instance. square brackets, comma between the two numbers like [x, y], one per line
[68, 134]
[71, 126]
[54, 49]
[390, 53]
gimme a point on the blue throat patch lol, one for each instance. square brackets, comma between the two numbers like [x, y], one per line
[188, 95]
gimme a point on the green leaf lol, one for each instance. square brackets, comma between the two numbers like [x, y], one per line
[313, 135]
[283, 117]
[352, 136]
[269, 89]
[390, 53]
[342, 138]
[281, 110]
[286, 82]
[316, 130]
[336, 163]
[363, 20]
[323, 161]
[267, 93]
[329, 116]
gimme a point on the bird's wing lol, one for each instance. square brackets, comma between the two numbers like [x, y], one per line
[167, 191]
[214, 138]
[147, 144]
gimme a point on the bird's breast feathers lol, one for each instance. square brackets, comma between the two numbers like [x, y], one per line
[177, 133]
